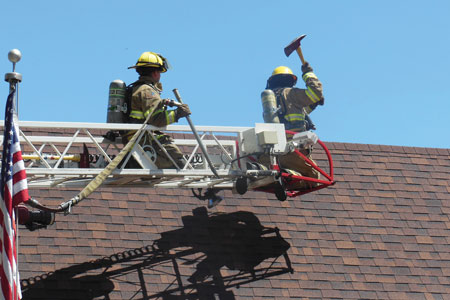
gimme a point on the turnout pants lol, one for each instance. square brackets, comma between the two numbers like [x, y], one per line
[296, 165]
[162, 160]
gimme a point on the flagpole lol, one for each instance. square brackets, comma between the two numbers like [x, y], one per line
[16, 218]
[13, 79]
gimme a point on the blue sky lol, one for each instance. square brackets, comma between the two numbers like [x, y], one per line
[384, 64]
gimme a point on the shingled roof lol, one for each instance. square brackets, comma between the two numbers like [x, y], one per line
[382, 232]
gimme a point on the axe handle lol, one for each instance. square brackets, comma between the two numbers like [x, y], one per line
[300, 54]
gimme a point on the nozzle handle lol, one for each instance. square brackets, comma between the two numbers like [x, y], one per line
[197, 137]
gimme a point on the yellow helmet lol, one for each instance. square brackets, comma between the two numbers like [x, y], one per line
[283, 70]
[153, 60]
[282, 73]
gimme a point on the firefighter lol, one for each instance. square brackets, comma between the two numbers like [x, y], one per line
[295, 105]
[145, 99]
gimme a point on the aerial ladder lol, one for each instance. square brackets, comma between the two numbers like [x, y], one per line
[89, 155]
[65, 154]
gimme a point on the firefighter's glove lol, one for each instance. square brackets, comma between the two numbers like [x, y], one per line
[182, 111]
[306, 68]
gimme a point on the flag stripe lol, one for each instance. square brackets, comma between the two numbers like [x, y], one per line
[20, 179]
[17, 199]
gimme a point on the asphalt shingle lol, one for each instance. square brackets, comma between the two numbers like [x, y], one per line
[382, 232]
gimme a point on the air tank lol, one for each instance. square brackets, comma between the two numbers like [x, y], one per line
[269, 104]
[117, 106]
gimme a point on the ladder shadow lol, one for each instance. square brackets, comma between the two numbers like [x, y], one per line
[228, 251]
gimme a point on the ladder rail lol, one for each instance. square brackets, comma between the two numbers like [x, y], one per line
[224, 146]
[59, 140]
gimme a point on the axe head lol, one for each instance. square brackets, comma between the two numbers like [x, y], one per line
[293, 45]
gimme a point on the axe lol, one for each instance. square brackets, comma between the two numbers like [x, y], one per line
[295, 45]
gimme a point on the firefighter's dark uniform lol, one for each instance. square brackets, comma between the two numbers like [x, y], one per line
[146, 100]
[295, 104]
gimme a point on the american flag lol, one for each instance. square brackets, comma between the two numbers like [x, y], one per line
[14, 190]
